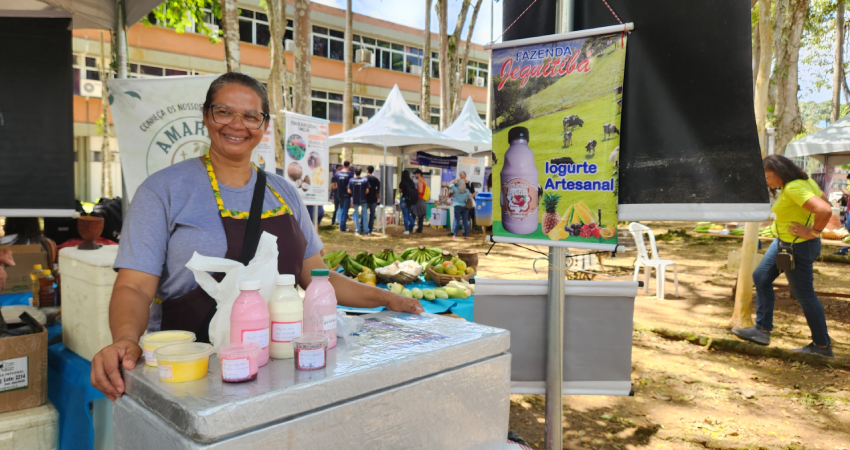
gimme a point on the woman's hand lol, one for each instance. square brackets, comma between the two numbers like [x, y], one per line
[801, 231]
[401, 303]
[105, 372]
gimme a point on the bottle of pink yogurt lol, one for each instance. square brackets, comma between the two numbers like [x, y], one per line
[249, 319]
[320, 306]
[519, 195]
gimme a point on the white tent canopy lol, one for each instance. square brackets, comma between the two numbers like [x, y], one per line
[830, 146]
[396, 129]
[92, 14]
[471, 131]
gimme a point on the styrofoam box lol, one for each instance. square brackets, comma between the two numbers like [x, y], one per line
[30, 429]
[87, 279]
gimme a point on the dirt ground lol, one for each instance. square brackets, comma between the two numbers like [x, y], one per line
[685, 396]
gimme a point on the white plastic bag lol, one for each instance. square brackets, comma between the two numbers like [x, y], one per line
[348, 326]
[263, 268]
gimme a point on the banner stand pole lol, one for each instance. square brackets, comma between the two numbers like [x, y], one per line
[555, 348]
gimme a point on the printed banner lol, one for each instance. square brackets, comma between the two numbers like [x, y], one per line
[159, 122]
[474, 168]
[263, 154]
[306, 156]
[556, 110]
[437, 162]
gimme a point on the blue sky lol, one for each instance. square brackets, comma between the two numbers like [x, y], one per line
[409, 15]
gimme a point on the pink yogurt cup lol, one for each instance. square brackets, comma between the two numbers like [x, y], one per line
[239, 362]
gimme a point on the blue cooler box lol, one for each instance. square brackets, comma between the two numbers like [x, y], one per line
[484, 209]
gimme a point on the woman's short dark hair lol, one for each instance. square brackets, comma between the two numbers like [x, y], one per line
[239, 78]
[784, 168]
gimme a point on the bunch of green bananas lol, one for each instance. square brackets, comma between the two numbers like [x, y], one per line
[332, 260]
[702, 227]
[388, 255]
[767, 232]
[439, 259]
[420, 254]
[371, 261]
[352, 267]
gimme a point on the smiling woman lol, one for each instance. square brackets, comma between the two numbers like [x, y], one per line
[203, 205]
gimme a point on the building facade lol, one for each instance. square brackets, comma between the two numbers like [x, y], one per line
[157, 51]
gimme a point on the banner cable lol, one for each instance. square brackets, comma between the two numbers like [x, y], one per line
[515, 21]
[622, 34]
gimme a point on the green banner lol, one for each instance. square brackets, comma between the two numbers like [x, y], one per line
[556, 137]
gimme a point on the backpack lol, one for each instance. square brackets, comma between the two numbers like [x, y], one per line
[427, 194]
[410, 194]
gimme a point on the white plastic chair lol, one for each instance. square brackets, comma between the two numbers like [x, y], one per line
[643, 259]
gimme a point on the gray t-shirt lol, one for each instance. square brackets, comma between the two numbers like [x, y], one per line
[174, 214]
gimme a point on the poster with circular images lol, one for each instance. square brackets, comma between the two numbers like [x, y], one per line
[306, 156]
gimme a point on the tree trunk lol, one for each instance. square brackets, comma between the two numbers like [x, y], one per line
[105, 152]
[454, 80]
[839, 45]
[442, 7]
[786, 108]
[465, 61]
[230, 30]
[277, 78]
[763, 79]
[301, 86]
[743, 309]
[780, 9]
[425, 89]
[756, 55]
[348, 93]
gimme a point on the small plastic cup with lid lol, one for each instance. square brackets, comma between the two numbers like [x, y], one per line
[152, 341]
[239, 361]
[311, 351]
[178, 363]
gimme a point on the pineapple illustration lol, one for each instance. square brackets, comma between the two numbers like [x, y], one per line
[550, 218]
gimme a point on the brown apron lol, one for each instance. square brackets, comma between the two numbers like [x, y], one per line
[194, 311]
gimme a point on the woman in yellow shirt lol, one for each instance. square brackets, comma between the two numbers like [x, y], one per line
[801, 214]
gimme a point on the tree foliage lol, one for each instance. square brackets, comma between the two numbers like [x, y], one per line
[819, 43]
[180, 14]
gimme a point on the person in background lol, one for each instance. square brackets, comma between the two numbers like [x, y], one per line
[409, 197]
[26, 231]
[801, 214]
[420, 209]
[373, 198]
[5, 260]
[340, 183]
[845, 215]
[358, 189]
[334, 196]
[461, 194]
[471, 187]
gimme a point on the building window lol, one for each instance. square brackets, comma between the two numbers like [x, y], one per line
[85, 68]
[388, 55]
[254, 27]
[328, 105]
[476, 69]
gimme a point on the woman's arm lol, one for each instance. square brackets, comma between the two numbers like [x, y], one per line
[358, 295]
[128, 318]
[822, 212]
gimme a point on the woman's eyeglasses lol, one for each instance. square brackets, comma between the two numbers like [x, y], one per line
[224, 115]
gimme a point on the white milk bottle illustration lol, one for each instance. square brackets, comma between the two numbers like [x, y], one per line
[519, 196]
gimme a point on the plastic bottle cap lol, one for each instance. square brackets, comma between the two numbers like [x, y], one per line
[253, 285]
[36, 267]
[319, 272]
[518, 133]
[47, 271]
[285, 280]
